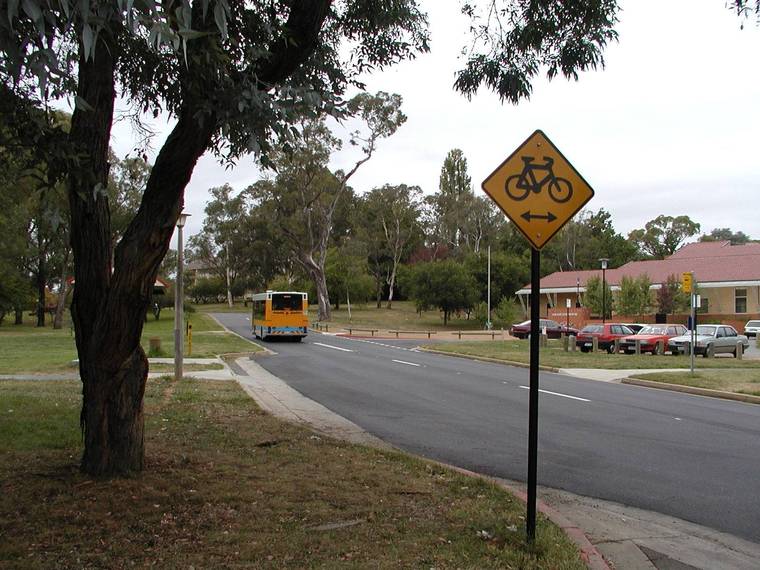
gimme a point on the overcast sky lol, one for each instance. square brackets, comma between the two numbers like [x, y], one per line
[670, 126]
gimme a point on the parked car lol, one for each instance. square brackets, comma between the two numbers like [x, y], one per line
[649, 336]
[752, 328]
[553, 329]
[721, 338]
[635, 327]
[606, 335]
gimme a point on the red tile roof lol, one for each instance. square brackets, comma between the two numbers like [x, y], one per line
[710, 262]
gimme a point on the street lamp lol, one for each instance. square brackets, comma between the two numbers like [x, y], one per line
[178, 298]
[604, 261]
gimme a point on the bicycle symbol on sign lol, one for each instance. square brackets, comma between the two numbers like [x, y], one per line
[519, 186]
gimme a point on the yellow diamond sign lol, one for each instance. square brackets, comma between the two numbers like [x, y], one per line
[538, 189]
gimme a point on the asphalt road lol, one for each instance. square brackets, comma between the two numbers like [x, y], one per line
[687, 456]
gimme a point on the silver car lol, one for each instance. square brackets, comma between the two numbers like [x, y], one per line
[715, 339]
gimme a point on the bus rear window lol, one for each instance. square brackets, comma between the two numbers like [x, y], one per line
[285, 302]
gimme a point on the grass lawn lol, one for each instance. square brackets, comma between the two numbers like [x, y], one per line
[402, 316]
[28, 349]
[553, 355]
[738, 381]
[226, 485]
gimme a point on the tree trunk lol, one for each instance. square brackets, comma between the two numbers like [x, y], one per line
[19, 314]
[61, 305]
[391, 284]
[108, 309]
[41, 279]
[227, 271]
[323, 297]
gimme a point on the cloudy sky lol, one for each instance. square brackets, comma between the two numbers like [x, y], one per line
[670, 126]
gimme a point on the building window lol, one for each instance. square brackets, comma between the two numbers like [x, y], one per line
[705, 306]
[740, 301]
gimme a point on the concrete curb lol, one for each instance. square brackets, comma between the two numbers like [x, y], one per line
[488, 359]
[746, 398]
[589, 553]
[263, 348]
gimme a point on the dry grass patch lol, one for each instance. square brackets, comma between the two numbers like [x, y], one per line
[227, 485]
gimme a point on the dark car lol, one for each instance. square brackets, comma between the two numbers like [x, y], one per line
[650, 336]
[553, 329]
[605, 334]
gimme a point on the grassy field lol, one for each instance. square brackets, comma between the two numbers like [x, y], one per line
[738, 381]
[28, 349]
[402, 316]
[553, 355]
[228, 486]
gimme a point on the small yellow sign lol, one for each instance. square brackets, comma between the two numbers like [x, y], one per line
[687, 282]
[538, 189]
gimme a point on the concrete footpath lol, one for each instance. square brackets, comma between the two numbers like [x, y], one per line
[628, 538]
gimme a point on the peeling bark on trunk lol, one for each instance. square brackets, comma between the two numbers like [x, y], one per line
[108, 309]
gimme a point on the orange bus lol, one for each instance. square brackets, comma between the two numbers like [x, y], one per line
[280, 314]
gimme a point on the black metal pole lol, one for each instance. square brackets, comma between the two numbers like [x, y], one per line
[535, 294]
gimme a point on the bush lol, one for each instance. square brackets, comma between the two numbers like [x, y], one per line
[505, 313]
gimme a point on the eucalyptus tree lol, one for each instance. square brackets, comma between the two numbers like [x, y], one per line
[234, 76]
[390, 226]
[305, 195]
[662, 236]
[221, 242]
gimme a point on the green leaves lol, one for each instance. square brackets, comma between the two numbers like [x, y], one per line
[514, 40]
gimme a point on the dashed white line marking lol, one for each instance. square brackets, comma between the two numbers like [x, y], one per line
[558, 394]
[382, 344]
[677, 419]
[333, 347]
[404, 362]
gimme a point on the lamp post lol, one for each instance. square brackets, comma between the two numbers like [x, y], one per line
[178, 301]
[604, 261]
[489, 326]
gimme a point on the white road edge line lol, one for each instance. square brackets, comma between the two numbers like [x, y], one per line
[557, 394]
[333, 347]
[407, 363]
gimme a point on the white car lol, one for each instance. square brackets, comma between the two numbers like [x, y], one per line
[717, 339]
[752, 328]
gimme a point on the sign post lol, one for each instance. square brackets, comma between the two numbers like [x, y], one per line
[539, 191]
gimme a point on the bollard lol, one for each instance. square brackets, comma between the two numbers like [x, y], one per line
[572, 343]
[709, 351]
[616, 346]
[565, 343]
[594, 344]
[543, 340]
[154, 345]
[638, 346]
[659, 348]
[739, 351]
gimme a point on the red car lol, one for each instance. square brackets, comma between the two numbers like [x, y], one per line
[606, 335]
[553, 329]
[649, 336]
